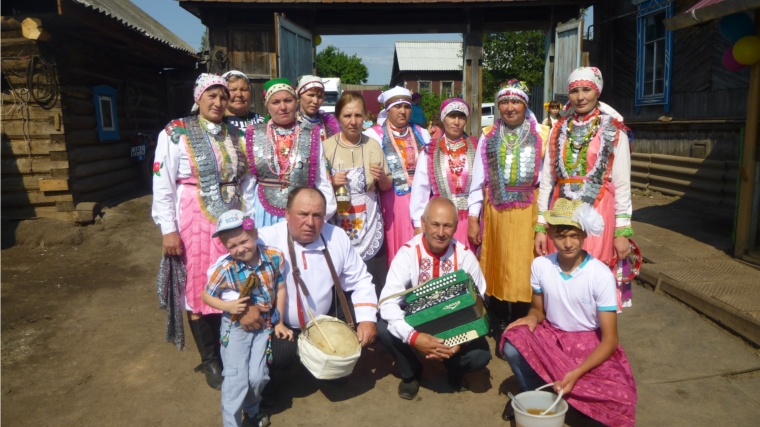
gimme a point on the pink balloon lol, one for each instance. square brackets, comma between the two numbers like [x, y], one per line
[730, 62]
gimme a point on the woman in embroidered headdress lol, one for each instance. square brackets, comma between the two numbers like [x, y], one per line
[444, 168]
[283, 154]
[402, 143]
[588, 158]
[198, 174]
[238, 112]
[504, 188]
[311, 95]
[357, 161]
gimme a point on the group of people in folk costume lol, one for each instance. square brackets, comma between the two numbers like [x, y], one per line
[522, 209]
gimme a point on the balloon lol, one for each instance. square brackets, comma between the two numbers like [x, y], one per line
[729, 62]
[318, 40]
[734, 27]
[747, 50]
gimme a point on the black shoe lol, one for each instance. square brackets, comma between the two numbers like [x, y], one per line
[509, 412]
[260, 420]
[203, 334]
[456, 382]
[408, 390]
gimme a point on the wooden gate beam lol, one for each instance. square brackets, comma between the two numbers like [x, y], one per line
[473, 69]
[749, 162]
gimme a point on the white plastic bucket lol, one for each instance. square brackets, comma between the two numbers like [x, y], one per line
[539, 400]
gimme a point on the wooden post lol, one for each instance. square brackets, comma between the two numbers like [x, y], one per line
[747, 176]
[473, 70]
[217, 40]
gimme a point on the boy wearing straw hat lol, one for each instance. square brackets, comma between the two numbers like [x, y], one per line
[569, 337]
[250, 272]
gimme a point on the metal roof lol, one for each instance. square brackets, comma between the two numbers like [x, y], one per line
[127, 13]
[359, 1]
[429, 55]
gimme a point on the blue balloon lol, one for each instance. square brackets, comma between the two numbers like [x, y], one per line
[734, 27]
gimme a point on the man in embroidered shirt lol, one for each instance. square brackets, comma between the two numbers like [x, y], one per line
[305, 222]
[431, 254]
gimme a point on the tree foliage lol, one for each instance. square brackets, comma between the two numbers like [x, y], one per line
[516, 54]
[331, 62]
[431, 105]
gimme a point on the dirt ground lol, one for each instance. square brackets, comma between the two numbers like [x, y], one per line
[83, 344]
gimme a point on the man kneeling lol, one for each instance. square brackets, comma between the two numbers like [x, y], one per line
[427, 256]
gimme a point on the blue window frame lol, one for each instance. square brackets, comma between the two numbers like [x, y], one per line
[654, 54]
[104, 98]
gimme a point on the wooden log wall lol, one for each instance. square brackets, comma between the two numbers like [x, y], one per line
[101, 170]
[708, 102]
[35, 162]
[52, 158]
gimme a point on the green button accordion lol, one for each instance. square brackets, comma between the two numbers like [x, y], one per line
[448, 307]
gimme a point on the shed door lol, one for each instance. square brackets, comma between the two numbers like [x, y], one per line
[567, 55]
[295, 53]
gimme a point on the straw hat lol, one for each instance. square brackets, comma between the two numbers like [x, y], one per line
[577, 214]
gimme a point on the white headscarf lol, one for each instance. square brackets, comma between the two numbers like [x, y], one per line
[391, 97]
[590, 77]
[309, 82]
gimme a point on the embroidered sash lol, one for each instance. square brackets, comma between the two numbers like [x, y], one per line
[399, 171]
[588, 188]
[273, 193]
[521, 193]
[438, 171]
[213, 201]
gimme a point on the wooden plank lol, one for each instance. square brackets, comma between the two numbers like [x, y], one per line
[82, 170]
[19, 183]
[78, 107]
[9, 23]
[80, 122]
[109, 179]
[40, 212]
[110, 192]
[35, 128]
[79, 92]
[30, 198]
[100, 152]
[31, 165]
[50, 184]
[19, 147]
[82, 137]
[67, 206]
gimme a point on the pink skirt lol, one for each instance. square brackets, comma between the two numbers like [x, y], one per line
[201, 250]
[398, 225]
[606, 393]
[600, 247]
[461, 234]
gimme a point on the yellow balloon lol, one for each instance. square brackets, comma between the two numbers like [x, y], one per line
[318, 40]
[747, 50]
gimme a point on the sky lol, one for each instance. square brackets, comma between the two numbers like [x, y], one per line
[376, 51]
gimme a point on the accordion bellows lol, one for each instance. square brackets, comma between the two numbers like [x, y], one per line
[448, 307]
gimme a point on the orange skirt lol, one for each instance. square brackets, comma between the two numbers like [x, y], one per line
[507, 250]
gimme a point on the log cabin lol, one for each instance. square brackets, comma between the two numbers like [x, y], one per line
[87, 85]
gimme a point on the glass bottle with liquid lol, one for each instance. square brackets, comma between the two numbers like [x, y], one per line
[342, 194]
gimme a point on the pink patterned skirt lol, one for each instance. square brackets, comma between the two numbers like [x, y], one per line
[201, 250]
[398, 225]
[606, 393]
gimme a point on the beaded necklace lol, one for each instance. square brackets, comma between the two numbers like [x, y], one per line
[579, 150]
[285, 155]
[507, 155]
[457, 154]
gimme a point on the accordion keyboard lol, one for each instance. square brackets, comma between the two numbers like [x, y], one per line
[461, 338]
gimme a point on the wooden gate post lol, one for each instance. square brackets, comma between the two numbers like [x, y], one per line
[747, 177]
[473, 70]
